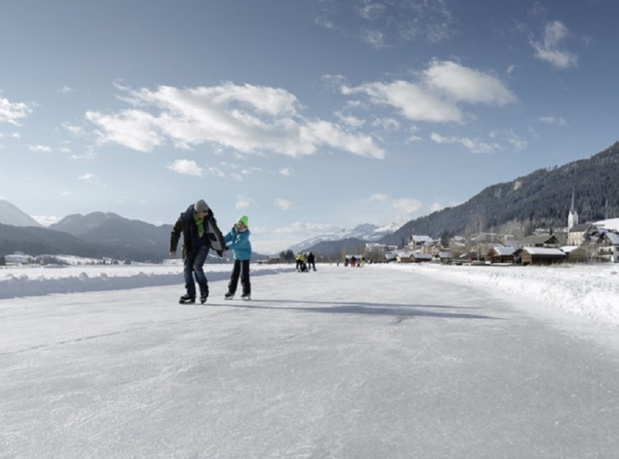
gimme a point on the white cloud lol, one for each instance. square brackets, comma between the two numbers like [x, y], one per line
[88, 177]
[517, 142]
[65, 90]
[87, 154]
[407, 205]
[552, 120]
[511, 69]
[332, 135]
[474, 146]
[46, 220]
[12, 112]
[243, 202]
[322, 21]
[247, 118]
[379, 197]
[40, 148]
[304, 230]
[283, 204]
[436, 96]
[405, 21]
[403, 209]
[371, 11]
[212, 170]
[186, 167]
[134, 129]
[410, 99]
[413, 138]
[73, 129]
[350, 120]
[287, 172]
[463, 84]
[387, 124]
[437, 206]
[374, 38]
[549, 49]
[440, 205]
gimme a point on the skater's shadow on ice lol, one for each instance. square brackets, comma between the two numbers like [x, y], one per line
[397, 310]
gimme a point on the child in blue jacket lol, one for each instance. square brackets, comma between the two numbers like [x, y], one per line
[237, 240]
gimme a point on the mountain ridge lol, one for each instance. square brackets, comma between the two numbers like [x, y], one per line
[12, 215]
[539, 199]
[365, 232]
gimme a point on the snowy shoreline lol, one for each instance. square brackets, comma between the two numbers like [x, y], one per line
[24, 281]
[590, 292]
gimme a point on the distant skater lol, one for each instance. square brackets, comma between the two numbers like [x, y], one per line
[311, 262]
[237, 240]
[301, 265]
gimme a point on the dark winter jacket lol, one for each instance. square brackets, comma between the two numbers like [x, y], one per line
[238, 242]
[192, 241]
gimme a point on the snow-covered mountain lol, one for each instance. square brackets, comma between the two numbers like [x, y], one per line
[11, 215]
[364, 232]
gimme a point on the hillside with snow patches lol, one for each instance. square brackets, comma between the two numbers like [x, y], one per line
[365, 232]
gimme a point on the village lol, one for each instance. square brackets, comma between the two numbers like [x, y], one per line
[591, 242]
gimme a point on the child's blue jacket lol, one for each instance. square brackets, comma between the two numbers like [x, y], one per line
[239, 243]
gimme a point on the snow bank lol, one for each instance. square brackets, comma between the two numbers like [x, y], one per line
[36, 281]
[590, 292]
[586, 291]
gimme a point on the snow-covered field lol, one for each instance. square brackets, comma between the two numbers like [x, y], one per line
[393, 361]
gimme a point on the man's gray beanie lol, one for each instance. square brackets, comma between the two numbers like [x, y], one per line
[200, 206]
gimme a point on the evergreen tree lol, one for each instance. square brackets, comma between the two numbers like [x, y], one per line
[287, 256]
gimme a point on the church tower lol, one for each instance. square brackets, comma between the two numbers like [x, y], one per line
[572, 218]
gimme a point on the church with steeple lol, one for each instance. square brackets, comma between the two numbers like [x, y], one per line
[575, 230]
[572, 218]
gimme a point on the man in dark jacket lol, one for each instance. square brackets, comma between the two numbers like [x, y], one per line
[311, 262]
[200, 234]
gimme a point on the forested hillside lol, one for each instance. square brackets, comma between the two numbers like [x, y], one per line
[540, 199]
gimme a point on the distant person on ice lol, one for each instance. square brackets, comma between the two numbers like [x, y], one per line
[301, 266]
[200, 234]
[237, 240]
[311, 261]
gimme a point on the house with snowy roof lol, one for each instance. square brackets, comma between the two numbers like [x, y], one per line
[608, 246]
[417, 241]
[605, 233]
[418, 257]
[445, 256]
[501, 254]
[545, 240]
[403, 256]
[540, 255]
[577, 233]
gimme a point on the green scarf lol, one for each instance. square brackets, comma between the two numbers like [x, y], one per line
[200, 224]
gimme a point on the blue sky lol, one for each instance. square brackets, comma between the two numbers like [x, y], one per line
[308, 116]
